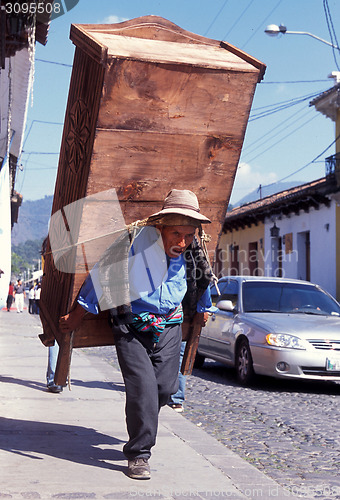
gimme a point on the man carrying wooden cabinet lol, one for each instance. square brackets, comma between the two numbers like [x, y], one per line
[164, 276]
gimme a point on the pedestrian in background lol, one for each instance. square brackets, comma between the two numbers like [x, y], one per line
[31, 305]
[177, 400]
[53, 352]
[10, 296]
[37, 292]
[19, 296]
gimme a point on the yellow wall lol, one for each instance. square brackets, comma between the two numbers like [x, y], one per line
[242, 238]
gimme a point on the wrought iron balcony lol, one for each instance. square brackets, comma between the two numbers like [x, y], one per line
[332, 164]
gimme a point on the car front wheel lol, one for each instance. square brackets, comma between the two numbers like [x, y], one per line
[244, 363]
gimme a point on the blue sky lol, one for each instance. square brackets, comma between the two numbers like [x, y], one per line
[277, 146]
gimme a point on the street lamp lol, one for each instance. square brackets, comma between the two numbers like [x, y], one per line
[274, 30]
[274, 231]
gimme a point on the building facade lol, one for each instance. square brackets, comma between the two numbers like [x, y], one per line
[20, 29]
[293, 234]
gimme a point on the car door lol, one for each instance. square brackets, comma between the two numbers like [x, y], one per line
[220, 325]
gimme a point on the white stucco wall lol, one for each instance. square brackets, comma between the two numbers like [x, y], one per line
[322, 246]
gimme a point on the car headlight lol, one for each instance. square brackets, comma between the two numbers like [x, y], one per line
[284, 340]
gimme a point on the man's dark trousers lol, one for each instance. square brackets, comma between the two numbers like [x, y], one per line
[150, 375]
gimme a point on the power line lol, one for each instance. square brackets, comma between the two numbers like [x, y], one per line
[331, 31]
[293, 81]
[37, 163]
[305, 166]
[217, 15]
[54, 62]
[238, 19]
[39, 153]
[260, 142]
[283, 138]
[280, 124]
[287, 101]
[280, 106]
[39, 121]
[261, 24]
[44, 168]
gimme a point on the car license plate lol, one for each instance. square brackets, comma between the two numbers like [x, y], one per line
[333, 364]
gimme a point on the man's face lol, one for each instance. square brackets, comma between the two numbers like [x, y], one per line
[176, 239]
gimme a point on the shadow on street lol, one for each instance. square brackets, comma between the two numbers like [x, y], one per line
[67, 442]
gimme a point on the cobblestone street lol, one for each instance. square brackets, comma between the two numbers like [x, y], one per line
[290, 430]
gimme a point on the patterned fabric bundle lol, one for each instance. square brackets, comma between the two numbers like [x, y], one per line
[199, 277]
[155, 323]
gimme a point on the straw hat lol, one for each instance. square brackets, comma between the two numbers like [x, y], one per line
[182, 203]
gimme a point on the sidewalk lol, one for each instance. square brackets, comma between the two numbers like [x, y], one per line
[69, 445]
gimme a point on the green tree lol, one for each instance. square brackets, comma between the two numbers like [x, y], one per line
[18, 264]
[30, 251]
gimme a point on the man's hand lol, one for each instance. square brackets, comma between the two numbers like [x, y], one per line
[205, 318]
[72, 320]
[201, 318]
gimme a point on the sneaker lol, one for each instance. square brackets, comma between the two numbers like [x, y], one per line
[55, 388]
[139, 468]
[177, 407]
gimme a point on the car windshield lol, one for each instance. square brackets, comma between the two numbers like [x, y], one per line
[287, 297]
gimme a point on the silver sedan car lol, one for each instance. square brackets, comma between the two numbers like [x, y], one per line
[273, 326]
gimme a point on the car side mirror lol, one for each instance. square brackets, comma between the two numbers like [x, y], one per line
[225, 305]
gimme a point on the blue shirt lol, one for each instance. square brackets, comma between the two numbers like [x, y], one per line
[157, 284]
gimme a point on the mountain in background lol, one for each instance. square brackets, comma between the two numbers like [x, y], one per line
[266, 191]
[33, 220]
